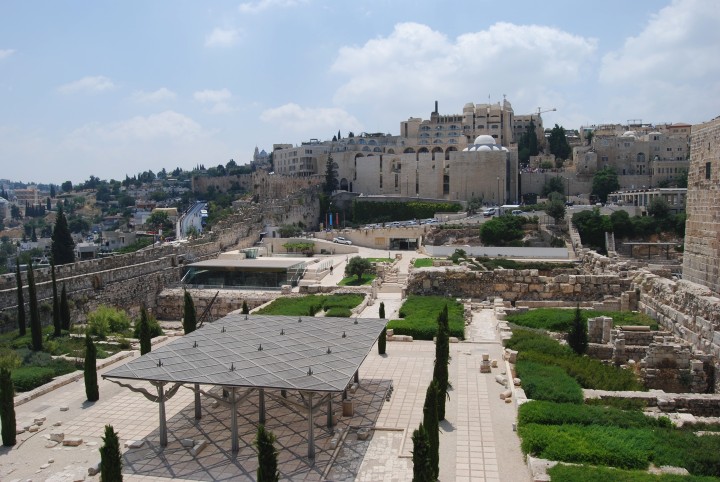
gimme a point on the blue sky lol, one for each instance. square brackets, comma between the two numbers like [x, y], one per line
[112, 88]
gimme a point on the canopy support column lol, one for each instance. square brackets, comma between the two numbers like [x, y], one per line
[234, 422]
[261, 405]
[357, 376]
[329, 411]
[198, 408]
[161, 412]
[311, 423]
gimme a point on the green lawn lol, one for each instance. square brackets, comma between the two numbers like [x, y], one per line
[560, 319]
[380, 260]
[423, 263]
[419, 317]
[310, 304]
[353, 281]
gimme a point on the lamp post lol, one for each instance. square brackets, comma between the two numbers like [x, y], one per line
[568, 191]
[498, 190]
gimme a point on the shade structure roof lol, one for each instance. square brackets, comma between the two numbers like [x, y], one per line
[256, 351]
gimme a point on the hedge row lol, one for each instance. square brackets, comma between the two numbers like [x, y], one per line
[545, 382]
[586, 473]
[311, 304]
[559, 319]
[550, 413]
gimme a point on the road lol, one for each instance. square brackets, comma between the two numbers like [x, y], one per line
[190, 218]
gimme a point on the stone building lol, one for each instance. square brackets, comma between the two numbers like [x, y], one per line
[701, 261]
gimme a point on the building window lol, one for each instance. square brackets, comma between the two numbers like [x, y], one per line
[380, 181]
[446, 184]
[707, 170]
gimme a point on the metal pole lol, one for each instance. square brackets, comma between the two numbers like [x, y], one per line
[357, 376]
[311, 434]
[234, 422]
[161, 410]
[198, 408]
[329, 412]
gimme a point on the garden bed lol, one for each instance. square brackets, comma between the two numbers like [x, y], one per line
[311, 304]
[419, 317]
[560, 319]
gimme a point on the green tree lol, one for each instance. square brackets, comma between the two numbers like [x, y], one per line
[159, 220]
[382, 341]
[57, 323]
[331, 176]
[267, 470]
[578, 335]
[358, 266]
[504, 230]
[64, 309]
[604, 182]
[554, 184]
[289, 230]
[659, 209]
[110, 458]
[431, 423]
[20, 299]
[92, 390]
[558, 143]
[7, 408]
[35, 324]
[144, 331]
[66, 186]
[63, 246]
[189, 314]
[682, 180]
[245, 309]
[556, 210]
[528, 144]
[592, 226]
[622, 226]
[442, 359]
[422, 470]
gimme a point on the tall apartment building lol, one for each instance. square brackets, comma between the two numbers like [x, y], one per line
[701, 260]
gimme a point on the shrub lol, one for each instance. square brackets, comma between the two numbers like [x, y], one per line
[267, 470]
[311, 304]
[155, 328]
[110, 458]
[9, 359]
[543, 382]
[29, 378]
[105, 320]
[559, 319]
[618, 402]
[586, 473]
[7, 408]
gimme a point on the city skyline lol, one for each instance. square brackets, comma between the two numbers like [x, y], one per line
[108, 90]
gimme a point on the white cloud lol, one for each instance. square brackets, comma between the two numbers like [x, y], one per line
[218, 98]
[261, 5]
[670, 68]
[5, 53]
[165, 125]
[416, 62]
[159, 95]
[95, 84]
[221, 37]
[312, 122]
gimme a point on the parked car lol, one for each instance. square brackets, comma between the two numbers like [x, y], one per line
[489, 212]
[341, 240]
[517, 212]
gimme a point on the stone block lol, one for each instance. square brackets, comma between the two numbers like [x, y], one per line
[57, 436]
[64, 408]
[485, 357]
[363, 433]
[134, 444]
[72, 442]
[494, 363]
[93, 470]
[501, 379]
[33, 428]
[187, 443]
[505, 394]
[348, 408]
[197, 449]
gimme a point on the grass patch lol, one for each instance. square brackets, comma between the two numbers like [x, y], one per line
[550, 413]
[627, 448]
[423, 263]
[586, 473]
[353, 281]
[546, 382]
[559, 319]
[380, 260]
[618, 402]
[419, 317]
[589, 373]
[311, 304]
[339, 312]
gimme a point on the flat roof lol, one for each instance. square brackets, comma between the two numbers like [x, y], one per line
[249, 263]
[280, 352]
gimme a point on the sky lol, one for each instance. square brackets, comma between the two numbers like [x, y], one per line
[109, 88]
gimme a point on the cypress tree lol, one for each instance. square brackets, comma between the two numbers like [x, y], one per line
[382, 341]
[442, 359]
[189, 315]
[267, 470]
[63, 246]
[422, 472]
[91, 384]
[578, 335]
[430, 420]
[110, 459]
[35, 325]
[57, 322]
[145, 340]
[7, 408]
[64, 309]
[245, 309]
[20, 299]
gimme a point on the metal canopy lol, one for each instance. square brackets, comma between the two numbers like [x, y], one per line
[255, 351]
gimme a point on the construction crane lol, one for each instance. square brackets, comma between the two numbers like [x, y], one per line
[541, 111]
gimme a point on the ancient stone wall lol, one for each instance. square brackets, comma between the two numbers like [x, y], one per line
[515, 285]
[701, 262]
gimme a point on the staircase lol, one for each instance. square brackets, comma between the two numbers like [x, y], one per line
[610, 244]
[393, 282]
